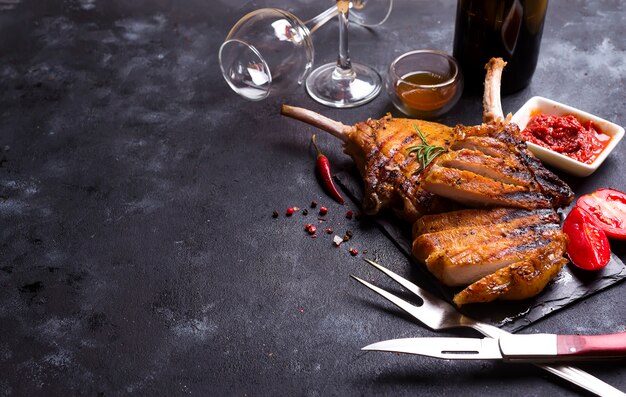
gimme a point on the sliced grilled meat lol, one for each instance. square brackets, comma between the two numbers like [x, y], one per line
[476, 219]
[505, 170]
[503, 141]
[478, 191]
[520, 280]
[460, 255]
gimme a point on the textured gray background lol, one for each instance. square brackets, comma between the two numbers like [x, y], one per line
[138, 254]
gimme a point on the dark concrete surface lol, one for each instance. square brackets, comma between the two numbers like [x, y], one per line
[138, 253]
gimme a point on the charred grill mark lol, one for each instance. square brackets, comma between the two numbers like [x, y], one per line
[403, 144]
[545, 214]
[489, 167]
[527, 200]
[557, 191]
[378, 159]
[530, 246]
[532, 229]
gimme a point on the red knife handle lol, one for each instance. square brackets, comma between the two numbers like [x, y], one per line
[592, 345]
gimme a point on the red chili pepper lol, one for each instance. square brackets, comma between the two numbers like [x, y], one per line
[323, 168]
[588, 247]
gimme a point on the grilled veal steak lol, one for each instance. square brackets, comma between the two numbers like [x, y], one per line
[495, 169]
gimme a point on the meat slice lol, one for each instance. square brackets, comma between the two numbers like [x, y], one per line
[520, 280]
[462, 265]
[491, 166]
[476, 190]
[433, 234]
[500, 169]
[487, 145]
[461, 255]
[476, 218]
[504, 141]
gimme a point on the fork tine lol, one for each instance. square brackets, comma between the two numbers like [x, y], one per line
[402, 304]
[427, 297]
[400, 280]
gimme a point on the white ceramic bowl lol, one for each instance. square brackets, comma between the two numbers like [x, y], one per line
[539, 104]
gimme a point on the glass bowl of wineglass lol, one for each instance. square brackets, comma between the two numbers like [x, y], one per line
[270, 51]
[424, 83]
[267, 50]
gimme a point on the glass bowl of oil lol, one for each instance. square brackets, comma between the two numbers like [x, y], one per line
[424, 83]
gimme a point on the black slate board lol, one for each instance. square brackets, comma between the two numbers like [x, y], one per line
[571, 285]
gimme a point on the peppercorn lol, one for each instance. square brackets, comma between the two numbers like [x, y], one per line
[354, 252]
[305, 212]
[275, 214]
[323, 210]
[313, 204]
[289, 211]
[349, 214]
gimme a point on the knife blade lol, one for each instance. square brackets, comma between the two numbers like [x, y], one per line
[514, 347]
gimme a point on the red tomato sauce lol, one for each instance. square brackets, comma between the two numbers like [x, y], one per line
[567, 135]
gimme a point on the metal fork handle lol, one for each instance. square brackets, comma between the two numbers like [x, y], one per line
[572, 374]
[583, 379]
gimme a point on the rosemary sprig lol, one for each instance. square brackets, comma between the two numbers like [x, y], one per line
[424, 153]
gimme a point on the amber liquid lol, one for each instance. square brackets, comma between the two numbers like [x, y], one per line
[510, 29]
[422, 98]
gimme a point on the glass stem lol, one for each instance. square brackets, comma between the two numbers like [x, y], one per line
[318, 21]
[343, 61]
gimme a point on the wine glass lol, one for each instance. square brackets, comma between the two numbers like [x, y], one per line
[270, 50]
[345, 84]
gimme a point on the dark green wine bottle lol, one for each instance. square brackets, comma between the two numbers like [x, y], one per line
[510, 29]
